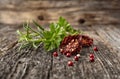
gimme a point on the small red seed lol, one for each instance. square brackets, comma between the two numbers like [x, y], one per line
[76, 58]
[64, 53]
[68, 55]
[91, 59]
[55, 54]
[91, 55]
[95, 48]
[70, 63]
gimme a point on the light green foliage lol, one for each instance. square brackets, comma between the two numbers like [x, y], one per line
[50, 38]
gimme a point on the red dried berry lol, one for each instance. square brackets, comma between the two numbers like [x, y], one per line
[74, 43]
[70, 63]
[92, 60]
[76, 58]
[71, 44]
[91, 55]
[68, 55]
[86, 41]
[95, 48]
[55, 54]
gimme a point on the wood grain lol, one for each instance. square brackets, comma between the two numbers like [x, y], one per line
[34, 64]
[101, 23]
[94, 11]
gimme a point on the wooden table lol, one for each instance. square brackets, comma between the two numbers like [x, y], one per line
[101, 23]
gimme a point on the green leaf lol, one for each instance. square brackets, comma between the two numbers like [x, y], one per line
[39, 26]
[52, 27]
[51, 38]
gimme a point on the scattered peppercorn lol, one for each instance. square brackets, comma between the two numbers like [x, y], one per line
[95, 48]
[91, 55]
[70, 63]
[76, 58]
[55, 54]
[68, 54]
[91, 59]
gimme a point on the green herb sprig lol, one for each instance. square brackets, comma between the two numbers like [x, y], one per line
[50, 38]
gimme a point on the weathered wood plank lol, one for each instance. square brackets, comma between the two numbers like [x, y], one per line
[101, 22]
[36, 64]
[25, 64]
[40, 4]
[110, 35]
[92, 10]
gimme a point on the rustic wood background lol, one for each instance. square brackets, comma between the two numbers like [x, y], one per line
[102, 22]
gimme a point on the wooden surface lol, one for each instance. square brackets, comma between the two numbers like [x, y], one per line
[101, 23]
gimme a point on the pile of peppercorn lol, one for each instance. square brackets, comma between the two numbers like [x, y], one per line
[73, 44]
